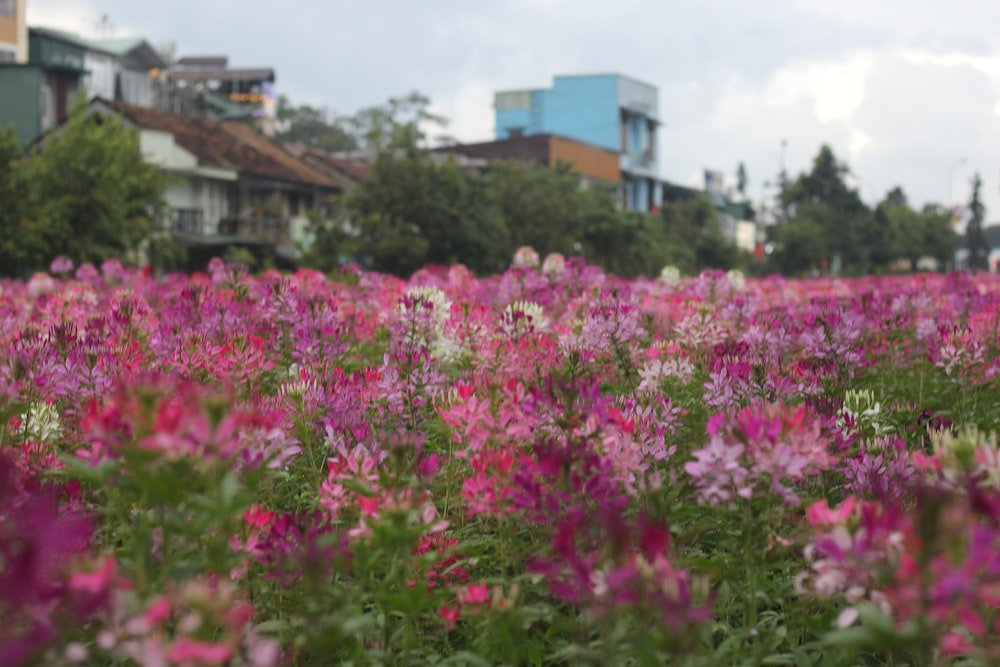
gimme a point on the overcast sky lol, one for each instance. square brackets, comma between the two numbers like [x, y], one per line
[905, 91]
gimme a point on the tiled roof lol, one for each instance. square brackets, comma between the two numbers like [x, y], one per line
[534, 148]
[228, 145]
[355, 170]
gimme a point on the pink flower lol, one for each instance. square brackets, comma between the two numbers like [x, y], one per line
[97, 581]
[819, 513]
[158, 611]
[449, 615]
[258, 517]
[192, 650]
[474, 594]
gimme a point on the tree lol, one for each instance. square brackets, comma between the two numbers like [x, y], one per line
[801, 245]
[976, 240]
[313, 126]
[17, 245]
[843, 220]
[85, 193]
[542, 208]
[398, 125]
[693, 239]
[939, 235]
[895, 232]
[741, 180]
[412, 211]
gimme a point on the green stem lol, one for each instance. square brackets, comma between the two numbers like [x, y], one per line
[750, 564]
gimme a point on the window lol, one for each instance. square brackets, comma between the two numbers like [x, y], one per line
[6, 7]
[6, 56]
[513, 101]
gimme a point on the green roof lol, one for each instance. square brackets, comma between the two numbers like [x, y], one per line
[136, 46]
[119, 45]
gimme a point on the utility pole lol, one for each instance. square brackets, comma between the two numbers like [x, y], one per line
[979, 249]
[783, 186]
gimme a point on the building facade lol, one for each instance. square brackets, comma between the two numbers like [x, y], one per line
[37, 96]
[13, 31]
[207, 86]
[612, 111]
[230, 183]
[594, 164]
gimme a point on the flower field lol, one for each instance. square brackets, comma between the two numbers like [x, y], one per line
[552, 466]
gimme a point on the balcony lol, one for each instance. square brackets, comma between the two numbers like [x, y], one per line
[188, 221]
[272, 231]
[262, 230]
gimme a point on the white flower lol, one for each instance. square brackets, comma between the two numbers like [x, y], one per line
[670, 275]
[554, 265]
[428, 309]
[523, 317]
[41, 423]
[420, 297]
[656, 370]
[526, 257]
[736, 279]
[861, 406]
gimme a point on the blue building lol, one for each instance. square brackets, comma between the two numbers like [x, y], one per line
[608, 110]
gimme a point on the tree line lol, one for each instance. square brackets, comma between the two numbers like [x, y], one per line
[415, 210]
[86, 192]
[822, 224]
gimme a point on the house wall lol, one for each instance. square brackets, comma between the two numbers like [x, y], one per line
[49, 52]
[14, 35]
[584, 108]
[579, 107]
[19, 105]
[136, 88]
[59, 87]
[100, 78]
[8, 36]
[178, 194]
[159, 148]
[586, 160]
[640, 113]
[608, 110]
[213, 198]
[513, 110]
[210, 197]
[192, 188]
[636, 95]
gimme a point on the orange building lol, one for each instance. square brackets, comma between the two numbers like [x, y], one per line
[13, 31]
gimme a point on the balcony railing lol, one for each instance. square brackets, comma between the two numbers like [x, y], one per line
[266, 230]
[188, 221]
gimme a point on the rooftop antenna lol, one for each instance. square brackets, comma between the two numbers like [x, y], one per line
[105, 29]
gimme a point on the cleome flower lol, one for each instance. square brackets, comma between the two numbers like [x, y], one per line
[521, 318]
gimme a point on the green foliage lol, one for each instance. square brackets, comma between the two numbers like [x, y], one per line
[414, 210]
[801, 244]
[398, 124]
[830, 222]
[16, 245]
[540, 206]
[313, 126]
[693, 239]
[86, 193]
